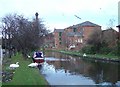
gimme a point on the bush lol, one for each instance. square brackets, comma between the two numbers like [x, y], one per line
[114, 51]
[105, 50]
[87, 49]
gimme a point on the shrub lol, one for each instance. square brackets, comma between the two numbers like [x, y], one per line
[114, 51]
[105, 50]
[87, 49]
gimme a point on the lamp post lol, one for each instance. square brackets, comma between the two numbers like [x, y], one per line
[118, 32]
[118, 39]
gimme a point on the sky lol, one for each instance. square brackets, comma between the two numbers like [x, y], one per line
[60, 14]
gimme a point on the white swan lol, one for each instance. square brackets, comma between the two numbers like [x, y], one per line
[33, 65]
[84, 55]
[28, 56]
[14, 65]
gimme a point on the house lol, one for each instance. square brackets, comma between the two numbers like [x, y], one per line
[74, 37]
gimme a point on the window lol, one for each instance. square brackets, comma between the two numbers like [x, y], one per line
[60, 33]
[60, 43]
[81, 40]
[74, 29]
[60, 38]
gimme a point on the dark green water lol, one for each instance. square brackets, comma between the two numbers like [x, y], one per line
[61, 69]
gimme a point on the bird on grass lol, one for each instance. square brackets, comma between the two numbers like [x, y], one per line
[13, 66]
[28, 56]
[33, 65]
[84, 55]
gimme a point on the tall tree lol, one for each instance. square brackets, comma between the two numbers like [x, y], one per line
[22, 35]
[95, 41]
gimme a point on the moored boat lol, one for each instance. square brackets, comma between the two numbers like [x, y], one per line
[38, 57]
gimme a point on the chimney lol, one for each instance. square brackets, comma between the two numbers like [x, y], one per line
[36, 14]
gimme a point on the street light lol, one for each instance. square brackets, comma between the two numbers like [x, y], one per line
[118, 39]
[118, 31]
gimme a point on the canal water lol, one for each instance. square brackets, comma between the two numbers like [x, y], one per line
[61, 69]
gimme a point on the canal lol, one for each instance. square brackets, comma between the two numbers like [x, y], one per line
[61, 69]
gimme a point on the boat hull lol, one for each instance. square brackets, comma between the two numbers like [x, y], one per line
[39, 60]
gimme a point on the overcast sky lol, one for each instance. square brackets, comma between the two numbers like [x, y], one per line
[60, 13]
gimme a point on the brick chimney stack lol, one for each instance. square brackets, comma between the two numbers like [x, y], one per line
[36, 14]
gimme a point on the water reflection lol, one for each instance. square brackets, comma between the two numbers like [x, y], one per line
[62, 69]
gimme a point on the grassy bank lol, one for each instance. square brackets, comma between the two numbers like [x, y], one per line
[25, 75]
[96, 56]
[91, 56]
[0, 84]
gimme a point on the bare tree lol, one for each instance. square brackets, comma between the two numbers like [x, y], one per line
[95, 41]
[111, 23]
[103, 41]
[21, 34]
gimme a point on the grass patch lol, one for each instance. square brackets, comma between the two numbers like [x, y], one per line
[25, 75]
[92, 56]
[0, 84]
[107, 56]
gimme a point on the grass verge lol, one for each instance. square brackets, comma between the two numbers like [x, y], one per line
[0, 84]
[91, 56]
[25, 75]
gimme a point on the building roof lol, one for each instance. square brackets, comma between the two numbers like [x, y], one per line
[58, 30]
[88, 23]
[84, 24]
[111, 29]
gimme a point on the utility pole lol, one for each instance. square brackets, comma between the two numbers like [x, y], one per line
[118, 39]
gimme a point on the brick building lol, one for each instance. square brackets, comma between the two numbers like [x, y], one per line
[74, 37]
[59, 38]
